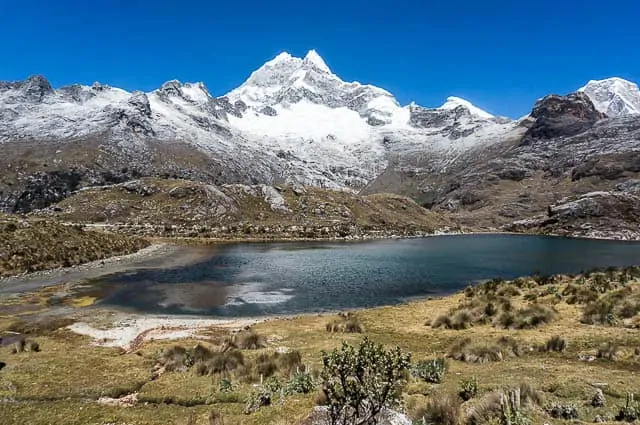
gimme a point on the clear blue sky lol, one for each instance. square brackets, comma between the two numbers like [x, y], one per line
[500, 54]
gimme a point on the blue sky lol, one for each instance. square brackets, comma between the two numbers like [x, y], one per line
[500, 54]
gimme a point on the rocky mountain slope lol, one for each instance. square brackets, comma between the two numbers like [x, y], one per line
[168, 207]
[565, 149]
[294, 122]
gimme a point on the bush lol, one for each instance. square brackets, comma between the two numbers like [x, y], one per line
[527, 318]
[257, 399]
[288, 362]
[225, 386]
[301, 383]
[360, 382]
[224, 362]
[600, 312]
[175, 359]
[500, 407]
[430, 370]
[608, 351]
[556, 343]
[562, 411]
[345, 323]
[215, 418]
[248, 340]
[441, 410]
[630, 411]
[484, 352]
[468, 388]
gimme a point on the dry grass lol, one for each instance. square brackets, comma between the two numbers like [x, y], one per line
[54, 384]
[28, 245]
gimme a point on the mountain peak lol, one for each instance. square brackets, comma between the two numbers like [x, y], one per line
[454, 102]
[614, 96]
[282, 57]
[313, 58]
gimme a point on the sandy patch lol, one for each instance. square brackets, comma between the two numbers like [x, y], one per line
[130, 332]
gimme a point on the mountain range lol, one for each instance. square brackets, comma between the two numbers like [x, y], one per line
[294, 121]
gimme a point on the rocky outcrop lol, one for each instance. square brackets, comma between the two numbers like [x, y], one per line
[562, 116]
[613, 214]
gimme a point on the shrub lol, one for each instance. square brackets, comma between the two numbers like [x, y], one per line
[215, 418]
[562, 411]
[607, 351]
[175, 359]
[500, 407]
[225, 385]
[288, 362]
[443, 321]
[468, 388]
[200, 353]
[248, 340]
[630, 411]
[257, 399]
[360, 382]
[220, 363]
[301, 383]
[599, 312]
[430, 370]
[442, 410]
[345, 323]
[533, 316]
[556, 343]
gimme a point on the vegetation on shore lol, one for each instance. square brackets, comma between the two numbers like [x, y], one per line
[579, 363]
[28, 245]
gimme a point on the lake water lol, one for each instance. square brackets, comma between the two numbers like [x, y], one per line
[284, 278]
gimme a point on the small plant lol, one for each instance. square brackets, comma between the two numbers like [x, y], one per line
[468, 388]
[215, 418]
[301, 383]
[630, 411]
[562, 411]
[225, 386]
[444, 410]
[608, 351]
[556, 343]
[248, 340]
[430, 370]
[258, 398]
[345, 323]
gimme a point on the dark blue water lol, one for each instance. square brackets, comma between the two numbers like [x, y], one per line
[284, 278]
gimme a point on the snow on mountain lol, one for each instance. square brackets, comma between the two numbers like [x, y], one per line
[614, 96]
[454, 102]
[292, 120]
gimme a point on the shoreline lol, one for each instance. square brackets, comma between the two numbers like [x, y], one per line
[162, 247]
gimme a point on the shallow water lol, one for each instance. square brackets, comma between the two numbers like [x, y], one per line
[285, 278]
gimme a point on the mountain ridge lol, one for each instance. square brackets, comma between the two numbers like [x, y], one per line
[293, 122]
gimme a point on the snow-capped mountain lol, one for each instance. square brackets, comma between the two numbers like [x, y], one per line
[614, 96]
[293, 120]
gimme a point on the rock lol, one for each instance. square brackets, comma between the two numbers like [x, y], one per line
[136, 186]
[598, 399]
[558, 116]
[140, 102]
[320, 416]
[269, 111]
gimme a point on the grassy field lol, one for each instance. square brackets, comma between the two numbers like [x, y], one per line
[28, 245]
[511, 326]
